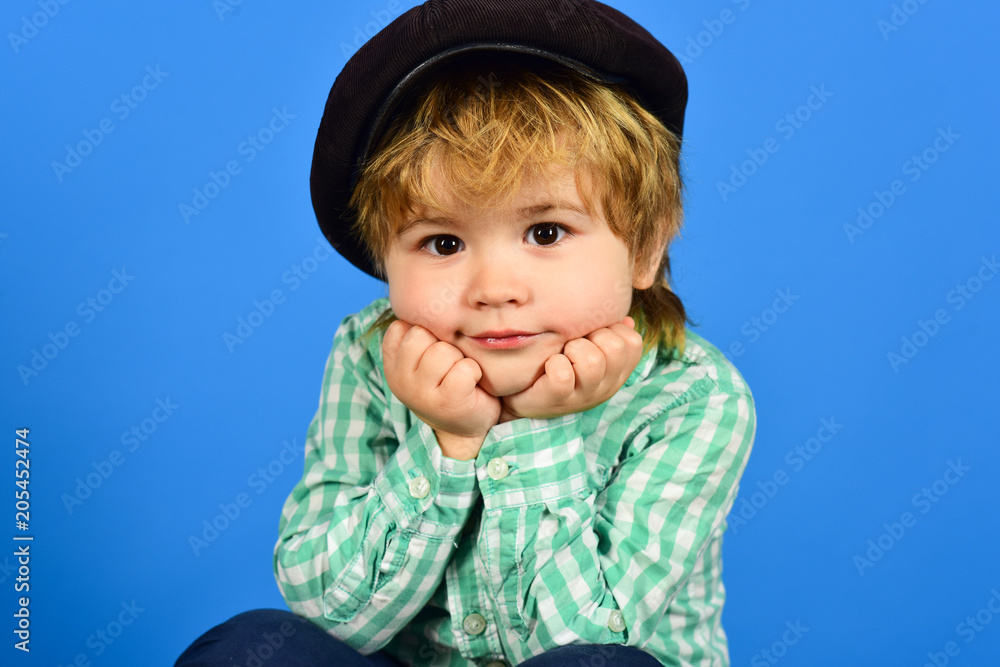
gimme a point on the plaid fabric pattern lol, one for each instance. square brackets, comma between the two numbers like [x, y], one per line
[602, 527]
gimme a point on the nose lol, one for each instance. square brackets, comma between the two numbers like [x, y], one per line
[497, 279]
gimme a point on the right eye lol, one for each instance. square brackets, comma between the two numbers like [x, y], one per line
[442, 246]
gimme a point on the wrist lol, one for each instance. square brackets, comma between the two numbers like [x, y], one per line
[506, 414]
[461, 448]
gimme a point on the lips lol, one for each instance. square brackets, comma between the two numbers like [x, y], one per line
[502, 334]
[504, 340]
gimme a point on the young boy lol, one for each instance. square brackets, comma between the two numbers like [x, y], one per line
[521, 456]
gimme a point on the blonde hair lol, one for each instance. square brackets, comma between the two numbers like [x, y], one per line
[488, 129]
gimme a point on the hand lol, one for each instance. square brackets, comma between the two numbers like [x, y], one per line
[588, 372]
[440, 385]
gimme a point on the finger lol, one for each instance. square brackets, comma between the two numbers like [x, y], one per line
[627, 329]
[622, 348]
[437, 361]
[589, 362]
[461, 380]
[611, 343]
[412, 346]
[390, 342]
[633, 348]
[629, 337]
[559, 379]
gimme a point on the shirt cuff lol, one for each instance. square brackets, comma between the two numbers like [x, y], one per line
[425, 491]
[528, 461]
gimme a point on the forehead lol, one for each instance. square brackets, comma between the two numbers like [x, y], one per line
[542, 190]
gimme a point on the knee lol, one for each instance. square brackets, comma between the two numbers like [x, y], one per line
[593, 655]
[261, 619]
[273, 625]
[260, 629]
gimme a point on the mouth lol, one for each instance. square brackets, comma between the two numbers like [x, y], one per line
[504, 340]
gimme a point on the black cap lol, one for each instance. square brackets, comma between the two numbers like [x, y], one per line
[585, 35]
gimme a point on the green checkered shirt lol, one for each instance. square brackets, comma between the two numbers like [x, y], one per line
[601, 527]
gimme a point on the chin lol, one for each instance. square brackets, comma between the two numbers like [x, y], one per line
[500, 385]
[501, 388]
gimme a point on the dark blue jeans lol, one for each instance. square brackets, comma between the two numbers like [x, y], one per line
[276, 638]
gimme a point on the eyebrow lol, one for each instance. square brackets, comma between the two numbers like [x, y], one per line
[526, 213]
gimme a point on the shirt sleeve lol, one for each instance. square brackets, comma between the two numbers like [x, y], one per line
[668, 500]
[366, 534]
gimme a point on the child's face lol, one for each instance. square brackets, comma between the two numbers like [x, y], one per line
[554, 275]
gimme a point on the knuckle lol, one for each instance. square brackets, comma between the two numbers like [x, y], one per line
[580, 348]
[563, 377]
[616, 344]
[444, 351]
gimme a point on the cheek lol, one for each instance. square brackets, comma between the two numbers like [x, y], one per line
[431, 305]
[596, 300]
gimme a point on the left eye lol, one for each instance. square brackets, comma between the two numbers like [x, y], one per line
[547, 233]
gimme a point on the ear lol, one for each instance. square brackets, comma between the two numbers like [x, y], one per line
[645, 270]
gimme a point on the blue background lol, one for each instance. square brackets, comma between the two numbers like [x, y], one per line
[793, 558]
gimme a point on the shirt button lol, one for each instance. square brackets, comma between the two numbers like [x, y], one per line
[474, 623]
[497, 468]
[419, 487]
[616, 622]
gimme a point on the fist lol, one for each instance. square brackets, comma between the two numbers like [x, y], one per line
[437, 382]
